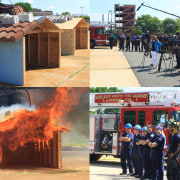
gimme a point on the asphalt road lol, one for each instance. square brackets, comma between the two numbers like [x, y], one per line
[108, 170]
[149, 77]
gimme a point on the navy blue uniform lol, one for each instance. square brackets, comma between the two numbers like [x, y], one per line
[171, 163]
[121, 42]
[126, 153]
[137, 155]
[157, 158]
[147, 155]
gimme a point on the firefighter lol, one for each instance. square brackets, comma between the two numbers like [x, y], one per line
[149, 138]
[174, 138]
[158, 154]
[126, 150]
[128, 39]
[111, 41]
[121, 39]
[137, 156]
[143, 149]
[137, 43]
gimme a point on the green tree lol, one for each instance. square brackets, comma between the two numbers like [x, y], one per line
[26, 6]
[87, 18]
[65, 13]
[170, 26]
[136, 31]
[146, 22]
[104, 89]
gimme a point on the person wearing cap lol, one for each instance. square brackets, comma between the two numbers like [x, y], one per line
[126, 150]
[149, 138]
[158, 154]
[172, 148]
[137, 156]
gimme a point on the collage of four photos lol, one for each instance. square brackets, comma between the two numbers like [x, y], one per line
[89, 90]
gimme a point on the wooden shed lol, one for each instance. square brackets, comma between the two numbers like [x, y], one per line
[26, 44]
[75, 35]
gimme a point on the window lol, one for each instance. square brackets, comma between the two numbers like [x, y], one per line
[141, 118]
[90, 30]
[130, 117]
[99, 31]
[160, 117]
[175, 115]
[108, 123]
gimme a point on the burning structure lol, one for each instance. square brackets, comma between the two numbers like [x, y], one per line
[125, 17]
[34, 136]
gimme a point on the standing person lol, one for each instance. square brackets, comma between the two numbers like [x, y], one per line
[128, 39]
[142, 41]
[121, 41]
[137, 156]
[143, 150]
[174, 139]
[111, 41]
[165, 42]
[158, 154]
[170, 40]
[133, 39]
[177, 49]
[126, 150]
[137, 43]
[154, 45]
[149, 138]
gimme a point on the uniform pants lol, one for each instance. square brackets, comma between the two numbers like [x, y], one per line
[157, 165]
[171, 168]
[132, 44]
[138, 161]
[128, 46]
[126, 155]
[154, 58]
[147, 164]
[121, 46]
[137, 46]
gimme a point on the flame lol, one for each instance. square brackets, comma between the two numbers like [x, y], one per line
[38, 125]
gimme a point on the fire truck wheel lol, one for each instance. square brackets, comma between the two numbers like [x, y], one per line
[92, 44]
[94, 157]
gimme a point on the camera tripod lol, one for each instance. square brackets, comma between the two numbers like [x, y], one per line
[162, 58]
[146, 53]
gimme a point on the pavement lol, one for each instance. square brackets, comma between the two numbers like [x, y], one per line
[108, 169]
[148, 77]
[73, 72]
[110, 68]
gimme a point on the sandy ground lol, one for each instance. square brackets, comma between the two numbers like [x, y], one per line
[108, 168]
[73, 72]
[109, 68]
[75, 166]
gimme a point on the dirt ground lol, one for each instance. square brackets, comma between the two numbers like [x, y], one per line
[73, 72]
[75, 166]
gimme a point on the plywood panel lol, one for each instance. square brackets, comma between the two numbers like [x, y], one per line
[43, 49]
[32, 48]
[77, 38]
[54, 49]
[83, 38]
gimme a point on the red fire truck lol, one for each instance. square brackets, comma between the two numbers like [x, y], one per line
[98, 36]
[134, 108]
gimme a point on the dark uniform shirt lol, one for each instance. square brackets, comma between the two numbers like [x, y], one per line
[174, 140]
[111, 40]
[127, 144]
[160, 140]
[151, 137]
[137, 139]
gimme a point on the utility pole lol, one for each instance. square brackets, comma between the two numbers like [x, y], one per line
[111, 19]
[82, 7]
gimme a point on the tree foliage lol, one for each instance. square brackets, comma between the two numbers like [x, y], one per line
[148, 23]
[26, 6]
[170, 26]
[104, 89]
[65, 13]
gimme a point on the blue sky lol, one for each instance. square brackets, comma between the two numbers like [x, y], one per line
[99, 7]
[58, 6]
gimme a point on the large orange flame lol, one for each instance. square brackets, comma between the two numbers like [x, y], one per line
[39, 125]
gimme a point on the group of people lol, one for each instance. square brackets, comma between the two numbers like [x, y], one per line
[144, 152]
[151, 42]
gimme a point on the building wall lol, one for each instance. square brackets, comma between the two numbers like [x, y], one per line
[68, 42]
[11, 62]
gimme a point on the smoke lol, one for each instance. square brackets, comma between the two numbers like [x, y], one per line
[9, 110]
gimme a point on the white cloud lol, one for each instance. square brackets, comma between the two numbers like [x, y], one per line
[29, 1]
[50, 7]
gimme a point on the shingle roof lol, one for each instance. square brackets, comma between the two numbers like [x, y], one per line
[13, 32]
[72, 23]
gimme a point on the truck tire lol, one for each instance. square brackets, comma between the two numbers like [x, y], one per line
[94, 157]
[92, 43]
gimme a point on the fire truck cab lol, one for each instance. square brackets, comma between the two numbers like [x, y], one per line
[98, 36]
[105, 129]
